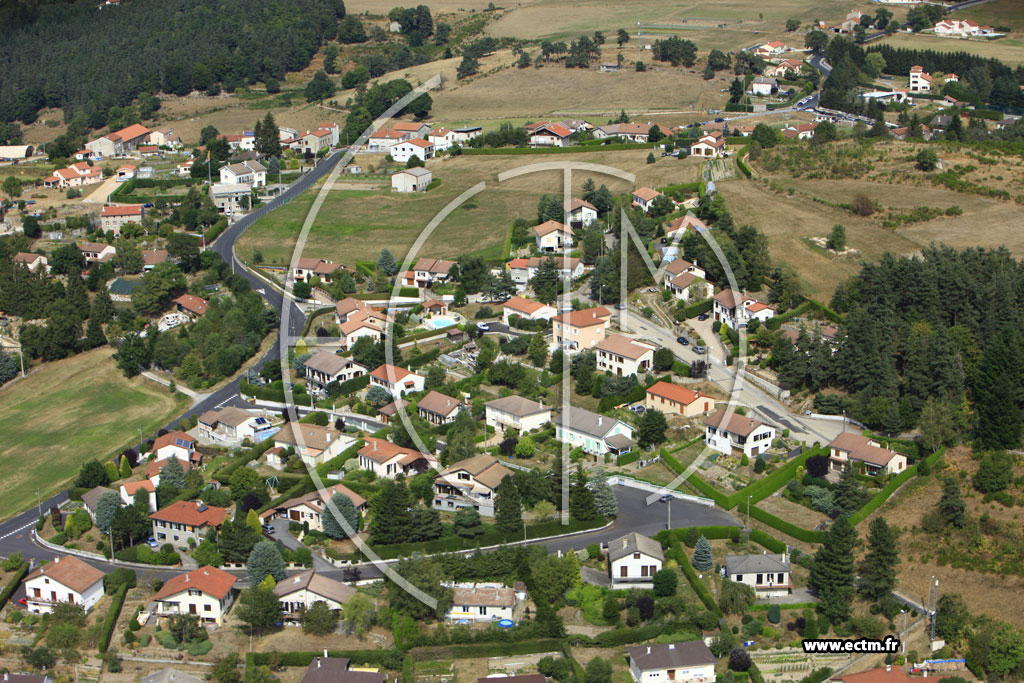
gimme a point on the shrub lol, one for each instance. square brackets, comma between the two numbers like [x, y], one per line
[739, 659]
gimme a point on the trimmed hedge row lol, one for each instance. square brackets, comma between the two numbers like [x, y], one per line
[793, 606]
[696, 308]
[760, 489]
[13, 584]
[743, 164]
[107, 630]
[357, 657]
[761, 538]
[628, 636]
[890, 488]
[312, 316]
[491, 151]
[480, 650]
[627, 458]
[699, 588]
[422, 359]
[785, 527]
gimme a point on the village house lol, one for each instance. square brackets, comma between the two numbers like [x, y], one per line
[710, 146]
[522, 270]
[581, 213]
[580, 330]
[427, 271]
[595, 434]
[65, 580]
[411, 180]
[324, 367]
[623, 356]
[643, 197]
[313, 443]
[865, 455]
[735, 310]
[130, 488]
[241, 142]
[175, 444]
[526, 309]
[91, 498]
[799, 131]
[307, 268]
[763, 86]
[781, 70]
[962, 28]
[387, 460]
[553, 236]
[633, 560]
[205, 592]
[184, 524]
[384, 139]
[919, 80]
[34, 262]
[151, 258]
[119, 142]
[724, 433]
[230, 424]
[442, 139]
[516, 413]
[336, 669]
[192, 306]
[417, 129]
[300, 592]
[673, 399]
[683, 662]
[249, 173]
[550, 135]
[75, 175]
[481, 602]
[772, 49]
[386, 413]
[230, 198]
[407, 149]
[165, 137]
[633, 132]
[435, 307]
[679, 226]
[686, 280]
[470, 483]
[467, 133]
[438, 409]
[97, 252]
[767, 574]
[154, 468]
[124, 173]
[312, 507]
[852, 21]
[397, 381]
[356, 319]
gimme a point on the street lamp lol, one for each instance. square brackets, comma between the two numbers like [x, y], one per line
[39, 505]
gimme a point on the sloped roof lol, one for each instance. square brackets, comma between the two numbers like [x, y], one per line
[436, 402]
[192, 513]
[587, 422]
[755, 564]
[623, 346]
[671, 655]
[209, 580]
[674, 392]
[548, 227]
[484, 468]
[632, 543]
[69, 571]
[645, 193]
[175, 438]
[517, 405]
[329, 363]
[316, 583]
[487, 596]
[524, 305]
[861, 448]
[736, 424]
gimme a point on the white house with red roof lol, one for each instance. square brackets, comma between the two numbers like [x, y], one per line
[65, 580]
[186, 522]
[112, 218]
[581, 213]
[311, 507]
[709, 146]
[441, 138]
[682, 224]
[75, 175]
[96, 252]
[119, 142]
[962, 28]
[398, 381]
[553, 236]
[192, 306]
[919, 80]
[383, 139]
[550, 135]
[643, 197]
[387, 460]
[686, 280]
[206, 593]
[673, 399]
[735, 309]
[623, 356]
[800, 131]
[416, 147]
[724, 433]
[130, 488]
[526, 309]
[34, 262]
[865, 455]
[176, 444]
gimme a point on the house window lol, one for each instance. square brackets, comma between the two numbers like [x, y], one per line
[636, 556]
[738, 578]
[207, 608]
[759, 579]
[483, 611]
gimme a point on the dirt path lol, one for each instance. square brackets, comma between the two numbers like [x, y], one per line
[102, 193]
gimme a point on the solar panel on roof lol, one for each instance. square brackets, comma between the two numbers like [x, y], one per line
[181, 442]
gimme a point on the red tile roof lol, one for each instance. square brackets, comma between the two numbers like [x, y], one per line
[209, 580]
[192, 303]
[69, 571]
[674, 392]
[190, 512]
[121, 210]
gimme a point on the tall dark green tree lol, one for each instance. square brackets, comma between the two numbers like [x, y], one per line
[581, 499]
[878, 570]
[996, 392]
[391, 519]
[508, 506]
[268, 139]
[951, 505]
[833, 571]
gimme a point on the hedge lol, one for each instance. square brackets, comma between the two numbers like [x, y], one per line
[626, 458]
[355, 657]
[773, 544]
[312, 316]
[490, 151]
[481, 650]
[985, 114]
[423, 359]
[736, 106]
[890, 488]
[743, 164]
[350, 386]
[681, 368]
[793, 606]
[788, 528]
[75, 492]
[699, 588]
[628, 636]
[422, 334]
[695, 309]
[107, 630]
[712, 533]
[13, 584]
[760, 489]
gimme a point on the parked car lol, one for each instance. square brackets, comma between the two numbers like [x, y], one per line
[483, 326]
[702, 316]
[151, 542]
[683, 340]
[620, 307]
[700, 349]
[267, 528]
[638, 408]
[666, 498]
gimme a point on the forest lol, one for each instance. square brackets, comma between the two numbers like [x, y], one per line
[88, 60]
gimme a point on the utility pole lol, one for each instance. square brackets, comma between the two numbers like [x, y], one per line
[39, 505]
[748, 511]
[669, 523]
[935, 605]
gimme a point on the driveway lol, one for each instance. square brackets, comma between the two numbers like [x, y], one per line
[102, 192]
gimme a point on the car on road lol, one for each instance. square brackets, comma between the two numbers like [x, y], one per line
[702, 317]
[700, 349]
[483, 326]
[666, 498]
[719, 119]
[620, 307]
[267, 528]
[683, 340]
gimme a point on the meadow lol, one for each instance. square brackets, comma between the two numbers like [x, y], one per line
[1009, 49]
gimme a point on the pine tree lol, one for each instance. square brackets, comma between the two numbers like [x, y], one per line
[264, 561]
[848, 494]
[508, 506]
[605, 502]
[332, 525]
[173, 474]
[702, 555]
[878, 570]
[94, 336]
[391, 518]
[581, 499]
[951, 506]
[833, 571]
[995, 390]
[386, 262]
[126, 467]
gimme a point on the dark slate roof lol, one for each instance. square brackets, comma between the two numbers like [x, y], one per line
[671, 655]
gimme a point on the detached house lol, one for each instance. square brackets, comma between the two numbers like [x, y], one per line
[643, 197]
[683, 662]
[441, 138]
[633, 132]
[34, 262]
[551, 135]
[580, 330]
[336, 669]
[682, 224]
[66, 579]
[300, 592]
[398, 381]
[249, 173]
[119, 142]
[481, 602]
[526, 309]
[312, 507]
[738, 432]
[308, 268]
[205, 592]
[623, 356]
[232, 424]
[522, 270]
[192, 306]
[799, 131]
[767, 574]
[581, 213]
[438, 409]
[130, 488]
[97, 252]
[417, 129]
[75, 175]
[734, 309]
[176, 444]
[417, 147]
[313, 443]
[384, 139]
[553, 236]
[709, 146]
[185, 523]
[387, 460]
[516, 413]
[633, 560]
[673, 399]
[595, 434]
[427, 271]
[686, 281]
[764, 86]
[355, 319]
[470, 483]
[324, 367]
[919, 80]
[866, 455]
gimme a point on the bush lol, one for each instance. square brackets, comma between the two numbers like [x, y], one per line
[739, 659]
[167, 640]
[107, 629]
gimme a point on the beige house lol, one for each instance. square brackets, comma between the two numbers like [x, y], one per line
[248, 173]
[324, 367]
[580, 330]
[470, 483]
[112, 218]
[481, 602]
[67, 579]
[34, 262]
[866, 455]
[185, 523]
[553, 236]
[673, 399]
[411, 180]
[397, 381]
[526, 309]
[312, 507]
[300, 592]
[516, 413]
[633, 560]
[313, 443]
[438, 409]
[97, 252]
[643, 197]
[767, 574]
[387, 460]
[205, 592]
[709, 146]
[230, 198]
[920, 81]
[623, 356]
[233, 424]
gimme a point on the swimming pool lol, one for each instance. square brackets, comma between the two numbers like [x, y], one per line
[440, 321]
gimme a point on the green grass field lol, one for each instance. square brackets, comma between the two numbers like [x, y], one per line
[996, 13]
[69, 412]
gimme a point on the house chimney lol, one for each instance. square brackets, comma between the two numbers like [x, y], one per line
[888, 667]
[648, 649]
[671, 646]
[325, 653]
[600, 420]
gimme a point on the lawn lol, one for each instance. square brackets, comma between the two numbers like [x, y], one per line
[996, 13]
[69, 412]
[1009, 50]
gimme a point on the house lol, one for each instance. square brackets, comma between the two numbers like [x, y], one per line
[526, 309]
[553, 236]
[866, 455]
[710, 146]
[523, 270]
[767, 574]
[644, 197]
[192, 306]
[724, 432]
[887, 674]
[467, 133]
[153, 257]
[34, 262]
[764, 86]
[962, 28]
[852, 21]
[130, 488]
[550, 135]
[776, 47]
[230, 198]
[383, 139]
[633, 560]
[686, 280]
[595, 434]
[673, 399]
[300, 592]
[176, 444]
[441, 138]
[427, 271]
[66, 579]
[313, 443]
[580, 330]
[516, 413]
[121, 289]
[312, 507]
[324, 367]
[581, 213]
[97, 252]
[75, 175]
[734, 309]
[386, 413]
[481, 602]
[682, 224]
[240, 142]
[165, 137]
[91, 498]
[417, 129]
[781, 69]
[683, 662]
[435, 307]
[398, 381]
[438, 409]
[184, 524]
[205, 592]
[623, 356]
[119, 142]
[249, 173]
[411, 180]
[470, 483]
[155, 467]
[124, 173]
[308, 268]
[417, 147]
[350, 332]
[233, 424]
[387, 460]
[919, 80]
[799, 131]
[633, 132]
[336, 669]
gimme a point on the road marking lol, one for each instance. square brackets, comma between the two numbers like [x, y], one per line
[19, 530]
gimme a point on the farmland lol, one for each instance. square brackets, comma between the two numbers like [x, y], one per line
[69, 412]
[1009, 50]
